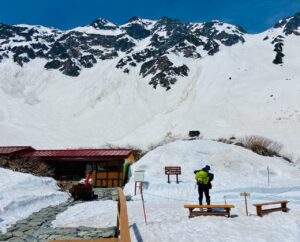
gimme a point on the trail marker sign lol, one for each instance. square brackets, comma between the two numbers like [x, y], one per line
[173, 170]
[138, 177]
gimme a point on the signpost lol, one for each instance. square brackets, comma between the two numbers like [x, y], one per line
[245, 194]
[173, 170]
[139, 177]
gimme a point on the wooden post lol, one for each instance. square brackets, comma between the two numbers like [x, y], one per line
[168, 178]
[246, 205]
[245, 195]
[177, 178]
[135, 188]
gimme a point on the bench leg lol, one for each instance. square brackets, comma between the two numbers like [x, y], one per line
[283, 207]
[228, 212]
[259, 211]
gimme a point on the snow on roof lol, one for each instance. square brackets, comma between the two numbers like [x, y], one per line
[7, 150]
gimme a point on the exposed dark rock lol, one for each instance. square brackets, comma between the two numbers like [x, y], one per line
[278, 58]
[137, 31]
[278, 48]
[58, 51]
[71, 51]
[22, 54]
[212, 47]
[103, 24]
[55, 64]
[208, 29]
[70, 68]
[87, 61]
[267, 37]
[164, 72]
[290, 25]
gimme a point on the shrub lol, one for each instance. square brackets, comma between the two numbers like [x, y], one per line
[261, 145]
[226, 141]
[27, 166]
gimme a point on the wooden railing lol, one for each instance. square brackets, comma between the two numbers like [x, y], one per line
[122, 224]
[122, 221]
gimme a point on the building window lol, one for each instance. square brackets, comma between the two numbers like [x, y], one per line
[90, 167]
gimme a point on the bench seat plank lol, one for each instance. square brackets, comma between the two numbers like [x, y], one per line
[270, 203]
[260, 211]
[209, 206]
[218, 210]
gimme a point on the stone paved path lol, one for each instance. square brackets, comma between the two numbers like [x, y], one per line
[38, 226]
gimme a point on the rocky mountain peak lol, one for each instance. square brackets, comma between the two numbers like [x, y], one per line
[290, 25]
[103, 24]
[134, 19]
[151, 46]
[167, 24]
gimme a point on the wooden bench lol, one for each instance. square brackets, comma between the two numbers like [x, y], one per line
[218, 210]
[260, 212]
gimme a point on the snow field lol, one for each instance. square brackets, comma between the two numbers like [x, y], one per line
[22, 194]
[236, 170]
[238, 91]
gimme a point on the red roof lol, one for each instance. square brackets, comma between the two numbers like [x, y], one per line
[120, 153]
[8, 150]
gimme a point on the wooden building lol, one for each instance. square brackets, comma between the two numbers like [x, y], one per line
[104, 165]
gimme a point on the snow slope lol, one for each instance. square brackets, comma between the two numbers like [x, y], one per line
[22, 194]
[236, 170]
[238, 91]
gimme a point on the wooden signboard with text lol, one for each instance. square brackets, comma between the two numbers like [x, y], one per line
[173, 170]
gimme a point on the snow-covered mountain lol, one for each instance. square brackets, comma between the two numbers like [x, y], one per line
[145, 80]
[139, 41]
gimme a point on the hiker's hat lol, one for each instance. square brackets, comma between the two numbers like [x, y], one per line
[207, 167]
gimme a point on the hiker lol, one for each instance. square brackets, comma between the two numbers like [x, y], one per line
[203, 179]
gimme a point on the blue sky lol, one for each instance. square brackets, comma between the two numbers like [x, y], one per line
[253, 15]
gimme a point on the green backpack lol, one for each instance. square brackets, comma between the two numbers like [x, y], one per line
[202, 177]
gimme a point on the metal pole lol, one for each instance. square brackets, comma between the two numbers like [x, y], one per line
[141, 187]
[268, 175]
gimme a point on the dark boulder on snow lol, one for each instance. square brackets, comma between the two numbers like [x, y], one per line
[194, 133]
